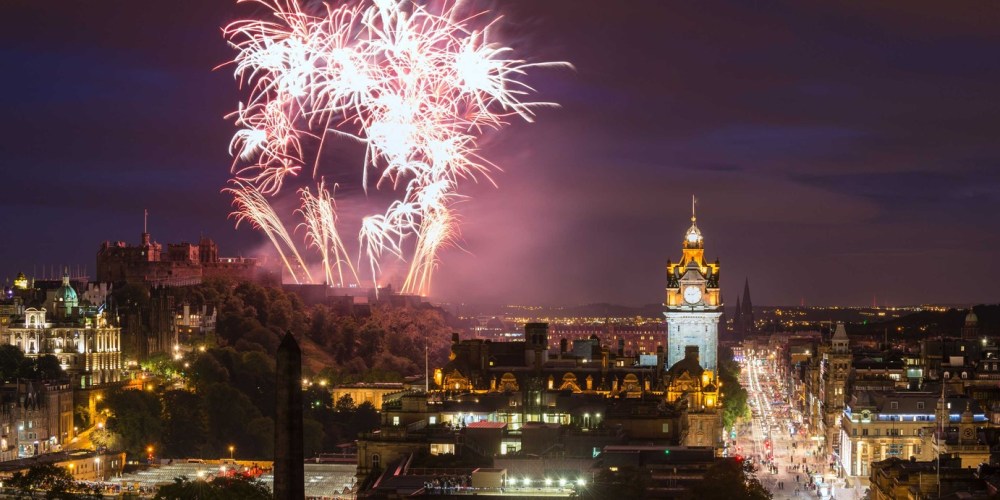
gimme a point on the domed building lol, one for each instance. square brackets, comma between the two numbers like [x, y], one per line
[64, 300]
[21, 282]
[84, 338]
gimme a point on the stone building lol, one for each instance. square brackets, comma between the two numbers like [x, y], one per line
[696, 392]
[836, 367]
[35, 417]
[82, 336]
[880, 425]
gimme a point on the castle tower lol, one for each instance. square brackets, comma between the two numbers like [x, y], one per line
[693, 304]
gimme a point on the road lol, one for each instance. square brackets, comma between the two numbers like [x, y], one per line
[789, 464]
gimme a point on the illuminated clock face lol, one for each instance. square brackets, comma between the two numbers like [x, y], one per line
[692, 294]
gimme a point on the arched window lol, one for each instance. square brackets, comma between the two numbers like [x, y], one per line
[376, 461]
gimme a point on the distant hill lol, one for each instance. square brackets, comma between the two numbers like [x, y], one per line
[933, 323]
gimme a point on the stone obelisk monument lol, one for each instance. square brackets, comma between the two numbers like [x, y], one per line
[289, 465]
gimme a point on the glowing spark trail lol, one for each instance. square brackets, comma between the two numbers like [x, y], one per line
[415, 82]
[252, 207]
[321, 232]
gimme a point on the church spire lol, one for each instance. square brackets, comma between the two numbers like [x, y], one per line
[747, 304]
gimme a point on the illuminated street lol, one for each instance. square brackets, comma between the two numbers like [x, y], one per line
[789, 463]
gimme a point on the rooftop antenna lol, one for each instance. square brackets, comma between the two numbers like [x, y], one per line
[145, 219]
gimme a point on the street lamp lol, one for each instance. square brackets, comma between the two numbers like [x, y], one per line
[231, 450]
[97, 461]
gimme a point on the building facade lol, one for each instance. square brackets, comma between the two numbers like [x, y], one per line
[82, 336]
[880, 425]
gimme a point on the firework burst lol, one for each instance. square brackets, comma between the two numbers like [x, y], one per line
[416, 84]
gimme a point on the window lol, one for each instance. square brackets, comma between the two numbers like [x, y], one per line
[854, 432]
[376, 461]
[894, 405]
[433, 420]
[920, 405]
[864, 432]
[395, 420]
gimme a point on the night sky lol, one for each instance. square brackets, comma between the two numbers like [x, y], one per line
[839, 152]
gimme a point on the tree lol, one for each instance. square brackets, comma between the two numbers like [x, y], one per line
[312, 437]
[136, 417]
[734, 396]
[237, 487]
[345, 404]
[184, 427]
[206, 370]
[56, 481]
[103, 438]
[364, 419]
[260, 432]
[730, 479]
[626, 482]
[11, 359]
[47, 367]
[227, 411]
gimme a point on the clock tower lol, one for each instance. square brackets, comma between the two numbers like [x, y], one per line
[693, 304]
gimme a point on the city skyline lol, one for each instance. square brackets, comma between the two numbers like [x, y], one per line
[838, 154]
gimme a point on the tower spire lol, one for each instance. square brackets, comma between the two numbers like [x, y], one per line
[694, 201]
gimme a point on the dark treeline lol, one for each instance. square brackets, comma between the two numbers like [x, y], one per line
[223, 395]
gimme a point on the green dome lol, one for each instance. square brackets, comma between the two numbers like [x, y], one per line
[66, 293]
